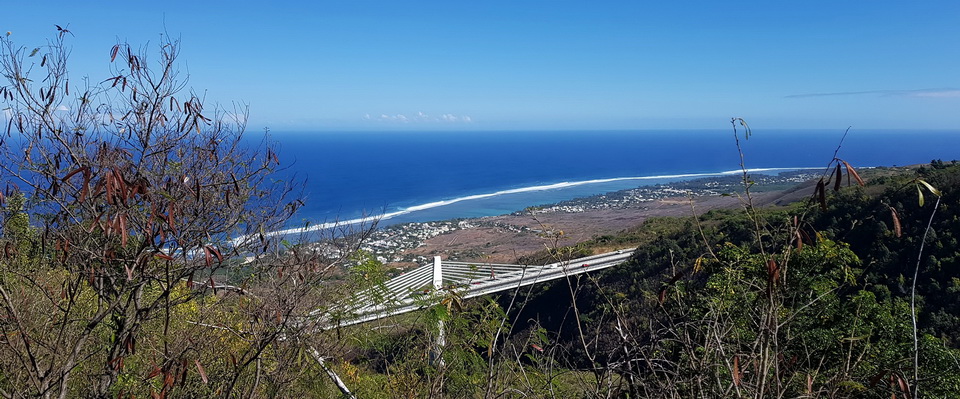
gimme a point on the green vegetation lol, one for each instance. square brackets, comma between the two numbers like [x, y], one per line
[115, 279]
[816, 305]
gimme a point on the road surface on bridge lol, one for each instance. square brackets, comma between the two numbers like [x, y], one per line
[426, 285]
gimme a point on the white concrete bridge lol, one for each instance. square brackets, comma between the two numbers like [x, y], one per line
[424, 286]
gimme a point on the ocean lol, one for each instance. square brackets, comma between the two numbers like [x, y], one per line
[422, 176]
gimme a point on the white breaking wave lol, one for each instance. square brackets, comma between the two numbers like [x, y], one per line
[554, 186]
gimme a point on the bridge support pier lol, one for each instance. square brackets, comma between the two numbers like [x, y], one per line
[441, 337]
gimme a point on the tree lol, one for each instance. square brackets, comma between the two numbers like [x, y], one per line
[138, 195]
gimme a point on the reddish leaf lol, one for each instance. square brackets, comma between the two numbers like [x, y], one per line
[876, 379]
[839, 178]
[904, 386]
[117, 362]
[123, 229]
[662, 295]
[73, 172]
[203, 374]
[897, 228]
[736, 370]
[216, 253]
[167, 379]
[110, 189]
[821, 194]
[853, 172]
[676, 277]
[121, 186]
[209, 257]
[113, 52]
[773, 270]
[170, 218]
[163, 256]
[9, 250]
[95, 223]
[183, 371]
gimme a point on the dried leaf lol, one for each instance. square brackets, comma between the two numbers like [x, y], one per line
[163, 256]
[110, 189]
[73, 172]
[167, 379]
[170, 218]
[838, 178]
[852, 172]
[208, 256]
[897, 228]
[773, 271]
[904, 386]
[920, 195]
[113, 52]
[217, 253]
[821, 195]
[736, 370]
[123, 229]
[116, 362]
[662, 295]
[876, 379]
[203, 374]
[676, 277]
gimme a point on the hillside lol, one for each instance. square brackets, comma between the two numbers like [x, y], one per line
[792, 300]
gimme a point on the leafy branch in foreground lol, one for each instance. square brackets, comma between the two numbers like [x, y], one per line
[137, 259]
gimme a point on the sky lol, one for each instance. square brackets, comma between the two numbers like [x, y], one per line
[538, 65]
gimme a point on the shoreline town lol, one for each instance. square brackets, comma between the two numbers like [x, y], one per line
[506, 237]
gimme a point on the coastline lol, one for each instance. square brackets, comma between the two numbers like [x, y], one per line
[504, 238]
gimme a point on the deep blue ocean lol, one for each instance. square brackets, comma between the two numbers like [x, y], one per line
[423, 176]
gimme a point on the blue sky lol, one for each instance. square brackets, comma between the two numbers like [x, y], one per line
[506, 65]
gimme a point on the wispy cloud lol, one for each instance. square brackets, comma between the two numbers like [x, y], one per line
[419, 117]
[916, 93]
